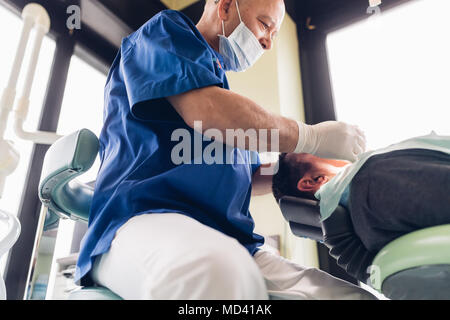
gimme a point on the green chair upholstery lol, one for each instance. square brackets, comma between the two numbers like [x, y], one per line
[415, 266]
[66, 198]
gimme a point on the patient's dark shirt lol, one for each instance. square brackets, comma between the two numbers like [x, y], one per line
[399, 192]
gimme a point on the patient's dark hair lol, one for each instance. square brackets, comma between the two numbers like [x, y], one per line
[289, 173]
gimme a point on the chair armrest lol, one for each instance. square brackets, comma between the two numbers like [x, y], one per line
[426, 247]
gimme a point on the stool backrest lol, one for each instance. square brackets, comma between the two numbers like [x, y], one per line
[67, 158]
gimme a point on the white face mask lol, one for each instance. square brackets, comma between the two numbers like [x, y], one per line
[241, 49]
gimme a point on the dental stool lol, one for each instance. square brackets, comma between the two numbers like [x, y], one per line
[67, 198]
[415, 266]
[9, 231]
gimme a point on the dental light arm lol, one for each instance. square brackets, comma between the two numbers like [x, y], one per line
[34, 15]
[9, 159]
[374, 3]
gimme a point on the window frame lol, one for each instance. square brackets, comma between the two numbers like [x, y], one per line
[95, 51]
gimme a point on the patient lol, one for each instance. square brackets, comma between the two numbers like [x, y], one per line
[388, 193]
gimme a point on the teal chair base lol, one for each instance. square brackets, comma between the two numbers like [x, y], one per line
[421, 283]
[93, 293]
[415, 266]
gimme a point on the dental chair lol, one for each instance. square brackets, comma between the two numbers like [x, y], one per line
[415, 266]
[67, 198]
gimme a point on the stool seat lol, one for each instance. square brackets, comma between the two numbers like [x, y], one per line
[93, 293]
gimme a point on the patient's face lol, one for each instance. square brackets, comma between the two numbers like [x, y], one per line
[322, 171]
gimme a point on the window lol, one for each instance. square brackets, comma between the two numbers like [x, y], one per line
[391, 74]
[10, 30]
[82, 107]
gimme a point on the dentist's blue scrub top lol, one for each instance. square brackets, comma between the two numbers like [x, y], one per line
[165, 57]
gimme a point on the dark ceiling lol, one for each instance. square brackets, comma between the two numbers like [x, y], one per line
[324, 15]
[136, 12]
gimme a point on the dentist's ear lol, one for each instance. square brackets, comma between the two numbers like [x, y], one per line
[223, 9]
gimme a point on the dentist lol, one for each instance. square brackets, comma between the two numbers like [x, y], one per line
[164, 230]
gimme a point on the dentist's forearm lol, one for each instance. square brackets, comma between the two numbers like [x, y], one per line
[222, 109]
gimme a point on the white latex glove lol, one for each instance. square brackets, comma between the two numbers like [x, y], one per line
[332, 140]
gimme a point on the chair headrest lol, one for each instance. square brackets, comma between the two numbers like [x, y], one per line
[336, 232]
[299, 210]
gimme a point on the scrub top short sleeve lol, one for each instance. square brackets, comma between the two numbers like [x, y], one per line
[255, 161]
[158, 64]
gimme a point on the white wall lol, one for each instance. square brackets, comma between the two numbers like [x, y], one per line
[275, 84]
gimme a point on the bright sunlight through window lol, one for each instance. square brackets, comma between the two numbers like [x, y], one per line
[82, 105]
[391, 74]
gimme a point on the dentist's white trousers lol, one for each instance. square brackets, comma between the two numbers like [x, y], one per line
[174, 257]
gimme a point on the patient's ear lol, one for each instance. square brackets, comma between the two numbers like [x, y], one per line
[307, 184]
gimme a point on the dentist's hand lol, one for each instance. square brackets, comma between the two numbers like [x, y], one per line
[331, 139]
